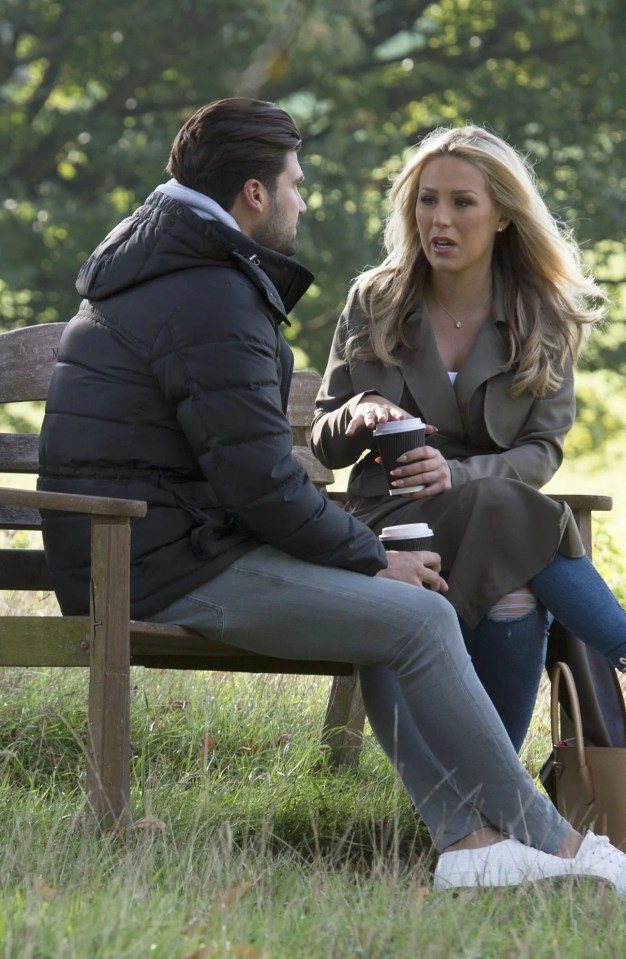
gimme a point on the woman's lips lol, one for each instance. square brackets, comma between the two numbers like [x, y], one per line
[442, 246]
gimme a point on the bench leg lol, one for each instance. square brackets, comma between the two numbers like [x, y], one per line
[344, 721]
[108, 774]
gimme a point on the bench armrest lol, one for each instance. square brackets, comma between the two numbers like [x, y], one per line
[585, 501]
[73, 502]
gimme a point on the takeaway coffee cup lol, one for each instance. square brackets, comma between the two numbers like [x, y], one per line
[407, 536]
[395, 438]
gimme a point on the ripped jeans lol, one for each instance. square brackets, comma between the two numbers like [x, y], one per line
[509, 657]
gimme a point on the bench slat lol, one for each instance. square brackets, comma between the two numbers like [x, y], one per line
[24, 569]
[26, 362]
[19, 453]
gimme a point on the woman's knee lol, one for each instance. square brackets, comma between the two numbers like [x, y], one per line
[518, 604]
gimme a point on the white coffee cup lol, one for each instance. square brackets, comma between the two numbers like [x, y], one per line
[407, 536]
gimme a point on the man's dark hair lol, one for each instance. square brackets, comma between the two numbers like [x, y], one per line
[230, 141]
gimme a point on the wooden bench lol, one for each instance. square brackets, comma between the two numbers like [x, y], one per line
[106, 641]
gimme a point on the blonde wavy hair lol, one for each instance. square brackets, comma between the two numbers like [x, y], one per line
[550, 300]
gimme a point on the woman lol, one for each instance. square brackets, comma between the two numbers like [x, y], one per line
[473, 322]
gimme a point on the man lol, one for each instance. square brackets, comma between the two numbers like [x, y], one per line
[171, 387]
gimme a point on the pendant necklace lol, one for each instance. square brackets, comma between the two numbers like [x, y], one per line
[458, 324]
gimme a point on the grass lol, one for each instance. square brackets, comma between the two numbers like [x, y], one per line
[244, 843]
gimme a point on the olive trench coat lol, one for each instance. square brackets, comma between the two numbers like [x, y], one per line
[493, 528]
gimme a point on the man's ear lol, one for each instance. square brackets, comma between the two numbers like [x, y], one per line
[254, 195]
[250, 205]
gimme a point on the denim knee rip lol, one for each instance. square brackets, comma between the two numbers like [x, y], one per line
[512, 608]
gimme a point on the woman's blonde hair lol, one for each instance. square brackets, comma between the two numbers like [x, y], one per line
[550, 301]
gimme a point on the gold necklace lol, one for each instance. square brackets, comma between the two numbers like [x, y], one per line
[458, 324]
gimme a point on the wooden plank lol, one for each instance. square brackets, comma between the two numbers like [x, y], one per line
[305, 385]
[73, 502]
[318, 473]
[244, 663]
[304, 388]
[44, 641]
[585, 501]
[582, 505]
[19, 453]
[19, 517]
[344, 721]
[27, 358]
[108, 777]
[24, 569]
[160, 645]
[65, 641]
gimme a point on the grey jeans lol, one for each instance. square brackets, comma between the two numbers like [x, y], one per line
[464, 772]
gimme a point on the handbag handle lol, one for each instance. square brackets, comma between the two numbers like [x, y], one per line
[562, 669]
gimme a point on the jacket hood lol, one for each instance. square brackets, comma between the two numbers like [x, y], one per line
[165, 236]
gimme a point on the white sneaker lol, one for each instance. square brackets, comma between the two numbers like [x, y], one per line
[506, 863]
[597, 857]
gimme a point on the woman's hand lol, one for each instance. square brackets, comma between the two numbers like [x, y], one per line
[422, 465]
[418, 568]
[374, 409]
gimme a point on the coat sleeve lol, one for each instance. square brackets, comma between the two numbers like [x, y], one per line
[335, 407]
[221, 372]
[536, 452]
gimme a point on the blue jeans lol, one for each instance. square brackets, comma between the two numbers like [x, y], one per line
[509, 657]
[461, 768]
[580, 600]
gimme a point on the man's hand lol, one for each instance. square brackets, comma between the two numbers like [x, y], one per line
[418, 568]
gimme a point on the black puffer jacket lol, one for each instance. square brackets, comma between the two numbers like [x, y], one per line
[171, 387]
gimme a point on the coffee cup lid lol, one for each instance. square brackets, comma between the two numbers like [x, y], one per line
[406, 531]
[399, 426]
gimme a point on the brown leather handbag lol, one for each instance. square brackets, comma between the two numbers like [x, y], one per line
[589, 781]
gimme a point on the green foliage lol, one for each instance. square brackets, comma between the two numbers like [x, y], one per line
[598, 421]
[610, 559]
[92, 94]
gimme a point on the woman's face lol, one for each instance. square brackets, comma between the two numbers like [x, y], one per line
[456, 217]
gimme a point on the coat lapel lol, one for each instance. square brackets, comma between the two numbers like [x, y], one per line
[485, 361]
[426, 378]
